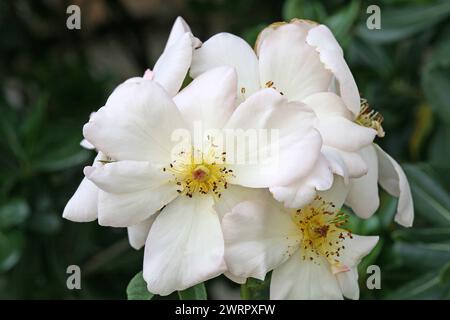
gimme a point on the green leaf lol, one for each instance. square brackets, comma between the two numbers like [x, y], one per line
[13, 213]
[304, 9]
[35, 121]
[433, 285]
[422, 256]
[11, 245]
[423, 235]
[431, 201]
[423, 126]
[444, 274]
[341, 22]
[436, 79]
[420, 288]
[439, 151]
[372, 55]
[45, 222]
[197, 292]
[254, 289]
[63, 158]
[401, 23]
[137, 289]
[387, 209]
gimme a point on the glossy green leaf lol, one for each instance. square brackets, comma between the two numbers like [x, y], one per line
[341, 22]
[421, 288]
[431, 201]
[254, 289]
[13, 213]
[433, 285]
[423, 256]
[11, 245]
[436, 79]
[137, 289]
[197, 292]
[404, 22]
[423, 235]
[304, 9]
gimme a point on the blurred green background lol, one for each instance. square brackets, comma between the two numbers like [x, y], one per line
[52, 78]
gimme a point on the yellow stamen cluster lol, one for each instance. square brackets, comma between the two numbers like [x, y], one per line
[370, 118]
[322, 234]
[200, 173]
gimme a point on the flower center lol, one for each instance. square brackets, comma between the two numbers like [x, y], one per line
[200, 173]
[206, 174]
[370, 118]
[322, 235]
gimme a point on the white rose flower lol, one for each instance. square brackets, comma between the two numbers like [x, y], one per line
[169, 71]
[311, 253]
[185, 243]
[304, 62]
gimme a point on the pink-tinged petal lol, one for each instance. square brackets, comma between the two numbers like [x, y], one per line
[348, 281]
[392, 178]
[148, 75]
[184, 247]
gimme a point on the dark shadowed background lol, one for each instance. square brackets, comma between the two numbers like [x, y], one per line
[52, 78]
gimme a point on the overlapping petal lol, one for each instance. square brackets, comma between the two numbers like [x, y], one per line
[209, 100]
[290, 150]
[259, 236]
[136, 124]
[291, 66]
[392, 178]
[184, 246]
[131, 191]
[225, 49]
[299, 279]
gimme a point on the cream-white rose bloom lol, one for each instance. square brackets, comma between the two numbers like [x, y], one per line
[363, 197]
[135, 128]
[304, 63]
[311, 253]
[169, 71]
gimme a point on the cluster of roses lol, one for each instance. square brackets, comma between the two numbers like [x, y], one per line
[199, 214]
